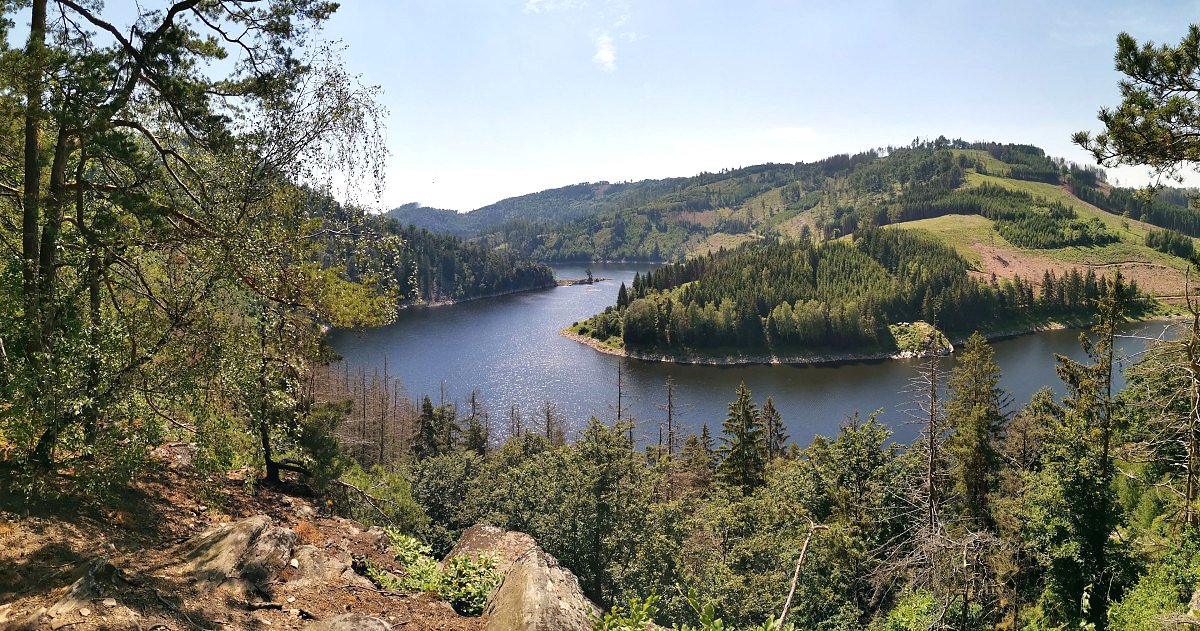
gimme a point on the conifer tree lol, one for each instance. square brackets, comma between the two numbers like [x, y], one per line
[772, 423]
[976, 417]
[696, 462]
[1073, 501]
[429, 434]
[743, 444]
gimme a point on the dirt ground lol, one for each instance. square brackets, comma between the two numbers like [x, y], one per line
[1158, 280]
[44, 549]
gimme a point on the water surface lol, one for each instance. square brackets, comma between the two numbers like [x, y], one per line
[509, 349]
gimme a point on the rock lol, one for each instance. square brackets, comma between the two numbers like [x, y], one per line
[306, 513]
[503, 546]
[537, 594]
[85, 612]
[315, 567]
[109, 602]
[350, 622]
[241, 554]
[81, 593]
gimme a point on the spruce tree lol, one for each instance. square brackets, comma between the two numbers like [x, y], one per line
[425, 444]
[772, 423]
[743, 444]
[976, 417]
[1073, 502]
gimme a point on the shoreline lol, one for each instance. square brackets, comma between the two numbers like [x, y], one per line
[446, 302]
[742, 360]
[819, 359]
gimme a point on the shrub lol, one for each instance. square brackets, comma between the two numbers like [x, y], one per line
[465, 583]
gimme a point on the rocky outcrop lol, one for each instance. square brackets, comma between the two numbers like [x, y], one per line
[503, 546]
[242, 555]
[538, 594]
[535, 593]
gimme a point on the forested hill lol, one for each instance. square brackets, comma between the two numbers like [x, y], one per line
[793, 298]
[430, 267]
[676, 218]
[547, 207]
[442, 267]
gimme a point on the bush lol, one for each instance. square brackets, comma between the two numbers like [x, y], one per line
[465, 583]
[393, 504]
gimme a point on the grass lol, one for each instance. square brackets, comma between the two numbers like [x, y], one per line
[991, 164]
[914, 337]
[961, 232]
[1132, 234]
[718, 240]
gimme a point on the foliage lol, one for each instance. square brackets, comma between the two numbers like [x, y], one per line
[390, 503]
[1153, 124]
[1171, 242]
[172, 270]
[465, 583]
[786, 297]
[1164, 589]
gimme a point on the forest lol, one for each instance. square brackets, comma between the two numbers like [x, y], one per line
[998, 515]
[666, 220]
[172, 264]
[790, 296]
[441, 267]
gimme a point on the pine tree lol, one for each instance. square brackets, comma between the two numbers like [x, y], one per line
[772, 423]
[447, 427]
[976, 418]
[477, 434]
[706, 441]
[1073, 499]
[743, 444]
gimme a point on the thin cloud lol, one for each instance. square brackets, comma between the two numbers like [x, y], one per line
[606, 51]
[543, 6]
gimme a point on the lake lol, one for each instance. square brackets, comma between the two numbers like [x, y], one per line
[509, 350]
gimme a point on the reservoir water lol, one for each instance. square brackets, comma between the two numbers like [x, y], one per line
[509, 350]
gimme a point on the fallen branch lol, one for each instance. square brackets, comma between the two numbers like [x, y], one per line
[812, 528]
[371, 500]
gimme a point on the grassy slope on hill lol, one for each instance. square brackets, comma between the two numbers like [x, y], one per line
[975, 238]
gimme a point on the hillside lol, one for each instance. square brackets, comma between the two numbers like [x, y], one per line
[551, 206]
[923, 184]
[803, 301]
[180, 551]
[423, 266]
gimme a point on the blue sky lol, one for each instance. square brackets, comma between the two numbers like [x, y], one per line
[496, 98]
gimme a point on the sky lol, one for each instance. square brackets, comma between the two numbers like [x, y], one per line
[496, 98]
[488, 99]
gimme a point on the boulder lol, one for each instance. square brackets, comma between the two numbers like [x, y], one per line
[537, 594]
[240, 555]
[350, 622]
[315, 568]
[503, 546]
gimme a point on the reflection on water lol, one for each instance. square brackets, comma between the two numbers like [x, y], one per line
[509, 350]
